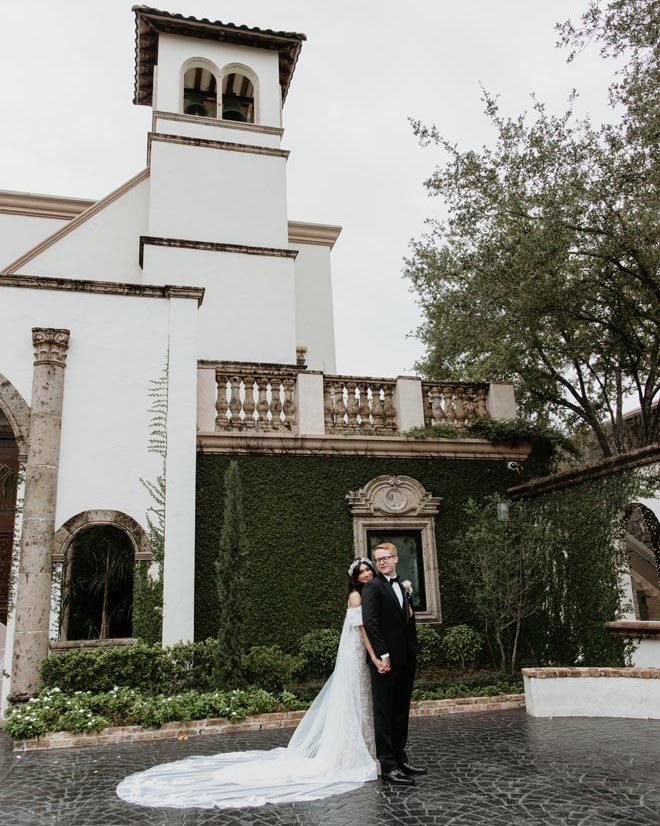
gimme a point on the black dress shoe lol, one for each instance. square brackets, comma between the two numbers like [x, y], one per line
[406, 768]
[397, 777]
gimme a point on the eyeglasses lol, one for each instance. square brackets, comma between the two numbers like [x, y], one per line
[383, 559]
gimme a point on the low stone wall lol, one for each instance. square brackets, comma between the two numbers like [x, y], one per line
[593, 692]
[287, 719]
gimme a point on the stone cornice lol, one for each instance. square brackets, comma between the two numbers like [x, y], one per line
[228, 146]
[225, 124]
[301, 232]
[50, 345]
[51, 206]
[376, 446]
[212, 246]
[605, 467]
[38, 282]
[88, 213]
[42, 206]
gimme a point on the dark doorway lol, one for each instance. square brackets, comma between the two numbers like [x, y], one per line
[98, 597]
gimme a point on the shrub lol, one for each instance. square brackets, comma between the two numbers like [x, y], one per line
[145, 667]
[82, 711]
[269, 667]
[462, 644]
[319, 651]
[428, 653]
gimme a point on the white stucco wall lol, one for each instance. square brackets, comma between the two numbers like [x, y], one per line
[103, 248]
[216, 132]
[118, 345]
[314, 314]
[205, 194]
[248, 312]
[19, 233]
[174, 51]
[593, 697]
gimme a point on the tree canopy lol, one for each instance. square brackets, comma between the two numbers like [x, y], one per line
[546, 269]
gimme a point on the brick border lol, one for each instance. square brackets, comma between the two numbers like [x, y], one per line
[634, 673]
[218, 725]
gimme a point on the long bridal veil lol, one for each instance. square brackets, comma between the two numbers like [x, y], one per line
[331, 752]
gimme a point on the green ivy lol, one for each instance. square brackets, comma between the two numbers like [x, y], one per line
[548, 443]
[300, 533]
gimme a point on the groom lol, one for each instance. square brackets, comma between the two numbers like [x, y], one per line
[390, 625]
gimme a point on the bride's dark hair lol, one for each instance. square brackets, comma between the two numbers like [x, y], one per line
[354, 572]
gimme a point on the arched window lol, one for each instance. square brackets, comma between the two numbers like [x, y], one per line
[237, 98]
[98, 599]
[200, 92]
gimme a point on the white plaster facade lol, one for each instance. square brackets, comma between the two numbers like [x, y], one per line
[96, 269]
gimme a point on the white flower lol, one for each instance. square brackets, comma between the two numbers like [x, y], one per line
[407, 587]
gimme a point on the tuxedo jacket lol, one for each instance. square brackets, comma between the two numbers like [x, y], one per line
[390, 628]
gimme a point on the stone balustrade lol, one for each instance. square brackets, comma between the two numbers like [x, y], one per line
[287, 399]
[255, 397]
[454, 403]
[359, 405]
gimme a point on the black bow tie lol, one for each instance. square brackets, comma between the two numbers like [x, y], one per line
[394, 579]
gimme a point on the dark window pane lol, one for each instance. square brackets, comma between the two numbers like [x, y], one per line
[411, 562]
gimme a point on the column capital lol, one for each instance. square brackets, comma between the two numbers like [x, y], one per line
[50, 345]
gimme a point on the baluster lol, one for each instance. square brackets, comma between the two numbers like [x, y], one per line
[470, 406]
[328, 406]
[248, 403]
[426, 405]
[482, 406]
[459, 406]
[235, 403]
[351, 405]
[289, 406]
[340, 406]
[262, 403]
[363, 406]
[388, 405]
[221, 406]
[376, 407]
[437, 413]
[448, 393]
[275, 404]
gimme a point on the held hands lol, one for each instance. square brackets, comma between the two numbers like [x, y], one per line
[383, 666]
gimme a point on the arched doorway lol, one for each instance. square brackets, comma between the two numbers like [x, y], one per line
[643, 545]
[8, 489]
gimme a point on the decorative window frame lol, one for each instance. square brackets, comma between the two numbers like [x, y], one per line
[400, 503]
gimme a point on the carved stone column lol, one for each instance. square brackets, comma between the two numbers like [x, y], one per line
[35, 566]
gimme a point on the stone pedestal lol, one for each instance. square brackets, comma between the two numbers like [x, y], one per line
[35, 566]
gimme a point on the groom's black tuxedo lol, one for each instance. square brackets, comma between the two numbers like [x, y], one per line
[391, 630]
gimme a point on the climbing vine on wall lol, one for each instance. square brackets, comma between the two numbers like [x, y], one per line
[148, 581]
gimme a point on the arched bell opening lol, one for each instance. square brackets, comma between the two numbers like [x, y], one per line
[200, 92]
[237, 98]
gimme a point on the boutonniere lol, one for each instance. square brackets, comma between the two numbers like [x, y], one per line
[407, 587]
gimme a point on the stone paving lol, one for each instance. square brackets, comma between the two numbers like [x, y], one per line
[493, 769]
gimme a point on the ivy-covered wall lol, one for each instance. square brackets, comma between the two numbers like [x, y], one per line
[301, 536]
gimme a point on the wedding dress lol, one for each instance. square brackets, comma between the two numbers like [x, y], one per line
[332, 751]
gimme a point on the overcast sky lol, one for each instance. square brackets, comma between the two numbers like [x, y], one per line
[69, 127]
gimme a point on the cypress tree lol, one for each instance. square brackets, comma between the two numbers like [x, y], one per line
[230, 568]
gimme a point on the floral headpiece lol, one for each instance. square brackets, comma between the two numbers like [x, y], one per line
[356, 564]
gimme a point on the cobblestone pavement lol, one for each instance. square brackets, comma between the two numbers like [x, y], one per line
[495, 769]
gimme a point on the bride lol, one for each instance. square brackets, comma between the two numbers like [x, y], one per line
[332, 750]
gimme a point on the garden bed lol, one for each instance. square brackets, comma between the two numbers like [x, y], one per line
[285, 719]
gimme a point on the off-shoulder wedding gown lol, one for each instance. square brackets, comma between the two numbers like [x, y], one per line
[332, 751]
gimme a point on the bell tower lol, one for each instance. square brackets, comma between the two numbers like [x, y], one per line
[217, 214]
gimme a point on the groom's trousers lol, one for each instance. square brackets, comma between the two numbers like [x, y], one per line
[391, 695]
